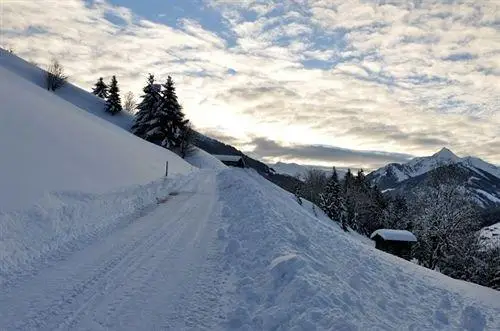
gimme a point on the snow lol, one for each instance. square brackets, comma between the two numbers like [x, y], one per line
[154, 269]
[488, 196]
[299, 171]
[388, 190]
[395, 235]
[49, 145]
[484, 166]
[203, 160]
[228, 158]
[446, 155]
[294, 271]
[215, 248]
[490, 235]
[421, 165]
[69, 92]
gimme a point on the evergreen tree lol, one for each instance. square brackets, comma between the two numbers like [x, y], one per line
[360, 180]
[146, 109]
[168, 124]
[348, 181]
[350, 200]
[331, 200]
[298, 194]
[101, 89]
[113, 103]
[397, 214]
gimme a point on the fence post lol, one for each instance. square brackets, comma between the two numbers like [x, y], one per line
[166, 169]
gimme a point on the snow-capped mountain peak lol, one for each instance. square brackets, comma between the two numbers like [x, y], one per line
[483, 179]
[446, 155]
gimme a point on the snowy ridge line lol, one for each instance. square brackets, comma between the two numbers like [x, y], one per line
[62, 222]
[307, 206]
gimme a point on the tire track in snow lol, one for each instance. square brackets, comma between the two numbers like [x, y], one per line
[89, 286]
[63, 307]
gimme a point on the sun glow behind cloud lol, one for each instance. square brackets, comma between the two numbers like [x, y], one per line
[403, 77]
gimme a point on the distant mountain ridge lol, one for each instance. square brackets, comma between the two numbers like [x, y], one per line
[481, 179]
[298, 170]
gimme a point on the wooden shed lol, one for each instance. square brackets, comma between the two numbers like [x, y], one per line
[232, 160]
[396, 242]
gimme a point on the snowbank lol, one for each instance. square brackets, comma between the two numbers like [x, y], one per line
[204, 160]
[49, 145]
[63, 220]
[291, 271]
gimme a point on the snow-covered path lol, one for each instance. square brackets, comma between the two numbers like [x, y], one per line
[119, 281]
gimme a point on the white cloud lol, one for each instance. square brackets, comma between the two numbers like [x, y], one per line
[407, 77]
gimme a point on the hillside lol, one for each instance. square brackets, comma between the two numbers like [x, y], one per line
[48, 145]
[480, 178]
[211, 248]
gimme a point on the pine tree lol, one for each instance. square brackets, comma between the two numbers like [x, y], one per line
[350, 200]
[360, 180]
[298, 194]
[168, 124]
[146, 109]
[331, 200]
[397, 214]
[101, 89]
[113, 103]
[173, 111]
[348, 181]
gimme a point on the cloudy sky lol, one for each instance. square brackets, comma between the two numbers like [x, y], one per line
[344, 82]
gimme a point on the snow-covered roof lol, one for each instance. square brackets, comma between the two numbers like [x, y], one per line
[229, 158]
[395, 235]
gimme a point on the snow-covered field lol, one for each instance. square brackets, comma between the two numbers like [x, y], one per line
[214, 248]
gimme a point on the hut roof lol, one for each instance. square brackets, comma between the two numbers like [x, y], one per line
[395, 235]
[228, 158]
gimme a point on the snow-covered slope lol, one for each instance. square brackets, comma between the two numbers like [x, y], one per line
[491, 235]
[482, 178]
[291, 270]
[69, 92]
[218, 250]
[202, 160]
[47, 144]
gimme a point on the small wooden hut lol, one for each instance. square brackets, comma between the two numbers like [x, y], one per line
[232, 160]
[396, 242]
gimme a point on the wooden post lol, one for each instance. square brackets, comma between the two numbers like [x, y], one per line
[166, 169]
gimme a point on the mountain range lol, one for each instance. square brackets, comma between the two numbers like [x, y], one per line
[299, 170]
[481, 179]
